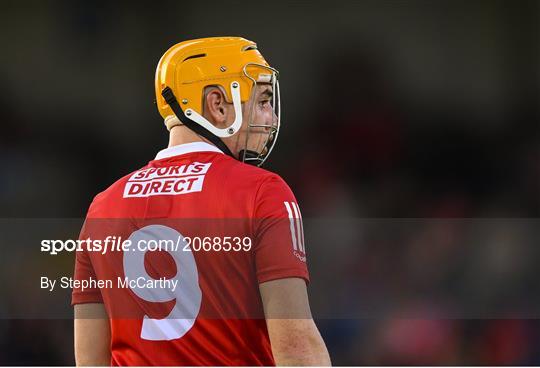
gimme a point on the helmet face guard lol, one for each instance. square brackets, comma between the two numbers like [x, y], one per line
[255, 152]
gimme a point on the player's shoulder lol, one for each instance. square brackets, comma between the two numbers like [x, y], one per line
[264, 186]
[250, 174]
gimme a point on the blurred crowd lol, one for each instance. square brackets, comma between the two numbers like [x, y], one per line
[373, 133]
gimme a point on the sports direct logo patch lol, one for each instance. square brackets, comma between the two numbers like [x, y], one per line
[170, 180]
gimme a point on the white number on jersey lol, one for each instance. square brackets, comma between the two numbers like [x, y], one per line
[187, 295]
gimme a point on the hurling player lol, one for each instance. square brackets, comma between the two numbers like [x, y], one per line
[234, 293]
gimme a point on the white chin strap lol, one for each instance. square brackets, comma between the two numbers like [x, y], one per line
[171, 120]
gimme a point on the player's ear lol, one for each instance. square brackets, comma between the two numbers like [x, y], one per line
[216, 106]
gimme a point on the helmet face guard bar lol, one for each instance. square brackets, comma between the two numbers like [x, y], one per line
[204, 128]
[259, 155]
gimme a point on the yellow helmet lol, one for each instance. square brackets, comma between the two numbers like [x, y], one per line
[233, 63]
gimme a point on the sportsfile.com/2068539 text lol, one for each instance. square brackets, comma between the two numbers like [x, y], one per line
[118, 244]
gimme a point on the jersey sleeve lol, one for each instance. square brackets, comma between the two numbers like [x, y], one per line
[279, 236]
[84, 271]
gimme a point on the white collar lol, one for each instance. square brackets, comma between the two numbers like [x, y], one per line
[182, 149]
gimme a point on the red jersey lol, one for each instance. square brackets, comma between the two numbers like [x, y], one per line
[223, 228]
